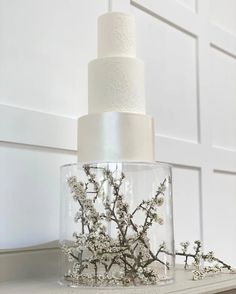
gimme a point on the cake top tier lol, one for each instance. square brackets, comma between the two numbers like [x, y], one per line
[116, 35]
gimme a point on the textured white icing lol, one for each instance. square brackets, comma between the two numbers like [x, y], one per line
[116, 84]
[116, 35]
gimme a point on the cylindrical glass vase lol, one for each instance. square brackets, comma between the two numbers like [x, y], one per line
[116, 225]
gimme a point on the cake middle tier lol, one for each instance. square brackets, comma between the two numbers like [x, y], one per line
[116, 84]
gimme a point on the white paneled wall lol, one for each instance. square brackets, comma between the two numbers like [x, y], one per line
[162, 50]
[223, 99]
[45, 48]
[30, 206]
[189, 48]
[222, 13]
[220, 220]
[189, 4]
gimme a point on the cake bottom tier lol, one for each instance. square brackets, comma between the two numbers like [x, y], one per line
[116, 136]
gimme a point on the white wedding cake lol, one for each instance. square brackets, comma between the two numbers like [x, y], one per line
[116, 127]
[116, 77]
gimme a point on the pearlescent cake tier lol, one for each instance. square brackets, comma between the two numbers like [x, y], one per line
[113, 136]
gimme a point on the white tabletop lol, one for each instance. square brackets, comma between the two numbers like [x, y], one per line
[183, 284]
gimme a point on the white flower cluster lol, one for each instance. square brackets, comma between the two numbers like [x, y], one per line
[202, 273]
[201, 270]
[184, 246]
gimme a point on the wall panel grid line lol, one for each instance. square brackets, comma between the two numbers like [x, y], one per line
[179, 151]
[178, 16]
[224, 51]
